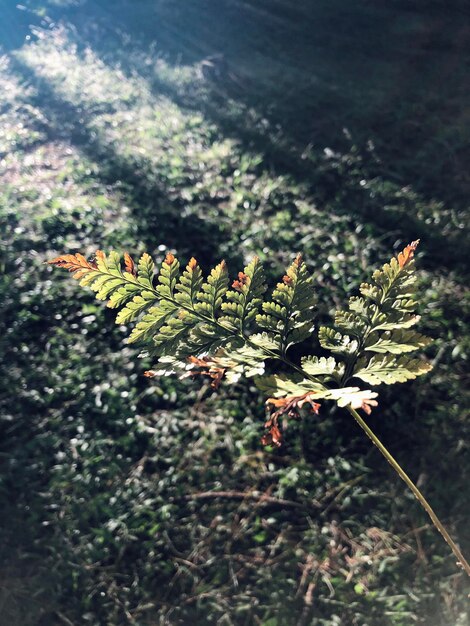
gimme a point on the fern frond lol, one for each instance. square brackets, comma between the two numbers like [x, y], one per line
[76, 264]
[377, 321]
[151, 323]
[189, 284]
[337, 342]
[146, 270]
[289, 315]
[168, 276]
[245, 297]
[182, 316]
[319, 366]
[396, 341]
[355, 398]
[281, 385]
[135, 307]
[213, 291]
[389, 369]
[191, 324]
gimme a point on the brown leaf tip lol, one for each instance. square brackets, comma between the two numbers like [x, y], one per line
[367, 405]
[407, 254]
[169, 259]
[73, 262]
[129, 264]
[192, 263]
[243, 280]
[209, 367]
[195, 360]
[58, 261]
[289, 406]
[287, 280]
[273, 437]
[298, 260]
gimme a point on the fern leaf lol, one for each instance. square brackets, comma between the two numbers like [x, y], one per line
[396, 341]
[280, 385]
[318, 366]
[77, 265]
[336, 342]
[390, 369]
[135, 307]
[204, 325]
[207, 338]
[211, 295]
[151, 322]
[377, 321]
[168, 276]
[245, 298]
[146, 270]
[189, 284]
[289, 314]
[355, 398]
[265, 341]
[173, 332]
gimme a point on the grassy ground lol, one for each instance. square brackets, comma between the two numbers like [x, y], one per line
[120, 128]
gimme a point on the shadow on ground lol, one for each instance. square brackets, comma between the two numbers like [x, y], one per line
[392, 73]
[289, 81]
[159, 217]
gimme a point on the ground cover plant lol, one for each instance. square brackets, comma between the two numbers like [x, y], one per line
[134, 503]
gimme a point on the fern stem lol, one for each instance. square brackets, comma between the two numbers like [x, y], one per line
[416, 492]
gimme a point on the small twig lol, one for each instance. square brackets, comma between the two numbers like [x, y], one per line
[189, 564]
[341, 490]
[64, 619]
[242, 495]
[419, 546]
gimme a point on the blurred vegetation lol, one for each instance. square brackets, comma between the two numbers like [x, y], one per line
[223, 129]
